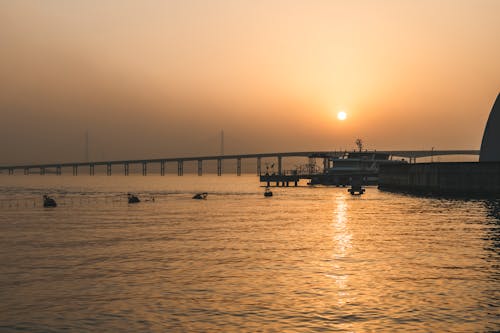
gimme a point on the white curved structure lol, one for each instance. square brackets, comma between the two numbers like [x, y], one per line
[490, 147]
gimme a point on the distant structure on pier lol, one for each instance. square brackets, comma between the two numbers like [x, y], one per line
[490, 146]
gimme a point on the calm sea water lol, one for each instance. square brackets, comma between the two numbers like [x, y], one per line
[305, 260]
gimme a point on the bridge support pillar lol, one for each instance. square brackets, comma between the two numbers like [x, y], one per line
[180, 168]
[312, 164]
[325, 164]
[162, 168]
[75, 170]
[144, 169]
[219, 167]
[91, 169]
[259, 164]
[200, 167]
[238, 166]
[280, 165]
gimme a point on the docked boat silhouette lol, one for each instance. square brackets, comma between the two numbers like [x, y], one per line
[353, 165]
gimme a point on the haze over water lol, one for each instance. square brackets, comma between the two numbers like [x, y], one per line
[156, 79]
[307, 259]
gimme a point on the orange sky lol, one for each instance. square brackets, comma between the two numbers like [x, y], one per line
[161, 78]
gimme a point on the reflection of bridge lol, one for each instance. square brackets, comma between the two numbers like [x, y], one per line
[411, 155]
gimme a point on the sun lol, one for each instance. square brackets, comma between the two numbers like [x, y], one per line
[341, 115]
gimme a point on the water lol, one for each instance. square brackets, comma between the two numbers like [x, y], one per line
[305, 260]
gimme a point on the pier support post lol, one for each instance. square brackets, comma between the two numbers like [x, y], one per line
[280, 165]
[26, 171]
[259, 164]
[91, 169]
[162, 168]
[108, 169]
[200, 167]
[325, 164]
[219, 167]
[144, 169]
[238, 166]
[126, 169]
[11, 171]
[75, 170]
[180, 167]
[58, 170]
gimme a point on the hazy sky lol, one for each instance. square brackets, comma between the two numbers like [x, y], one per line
[162, 78]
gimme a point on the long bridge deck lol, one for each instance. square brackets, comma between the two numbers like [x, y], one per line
[411, 155]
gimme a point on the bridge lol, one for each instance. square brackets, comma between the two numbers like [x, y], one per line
[411, 155]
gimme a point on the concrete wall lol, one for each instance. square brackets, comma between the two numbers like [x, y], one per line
[465, 179]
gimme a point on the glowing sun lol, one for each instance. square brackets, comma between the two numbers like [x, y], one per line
[341, 115]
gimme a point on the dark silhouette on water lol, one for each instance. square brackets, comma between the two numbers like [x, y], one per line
[200, 196]
[356, 186]
[133, 198]
[268, 192]
[48, 201]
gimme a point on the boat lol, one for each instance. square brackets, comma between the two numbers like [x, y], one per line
[49, 202]
[133, 198]
[356, 186]
[268, 193]
[341, 171]
[200, 196]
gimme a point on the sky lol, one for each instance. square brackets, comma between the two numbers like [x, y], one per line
[152, 79]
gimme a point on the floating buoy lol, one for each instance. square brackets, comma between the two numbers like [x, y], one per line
[132, 198]
[49, 202]
[200, 196]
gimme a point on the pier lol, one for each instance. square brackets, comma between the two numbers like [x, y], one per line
[457, 179]
[78, 168]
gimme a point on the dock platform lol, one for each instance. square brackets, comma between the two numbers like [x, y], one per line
[280, 180]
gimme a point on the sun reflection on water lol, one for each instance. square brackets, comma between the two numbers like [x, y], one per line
[341, 246]
[342, 237]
